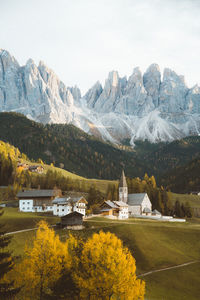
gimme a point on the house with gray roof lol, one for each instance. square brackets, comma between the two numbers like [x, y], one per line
[65, 206]
[114, 209]
[37, 200]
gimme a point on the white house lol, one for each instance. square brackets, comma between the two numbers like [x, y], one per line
[122, 209]
[114, 209]
[64, 206]
[37, 200]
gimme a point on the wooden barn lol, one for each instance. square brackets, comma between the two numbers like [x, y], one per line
[72, 219]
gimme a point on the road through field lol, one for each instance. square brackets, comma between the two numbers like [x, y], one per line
[168, 268]
[24, 230]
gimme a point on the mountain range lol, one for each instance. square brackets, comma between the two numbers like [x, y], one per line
[142, 107]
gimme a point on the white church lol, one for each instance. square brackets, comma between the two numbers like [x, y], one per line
[128, 205]
[138, 204]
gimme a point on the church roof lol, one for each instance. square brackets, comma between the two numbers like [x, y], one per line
[146, 210]
[122, 182]
[136, 199]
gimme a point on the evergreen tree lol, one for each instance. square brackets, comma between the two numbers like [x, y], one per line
[7, 291]
[188, 210]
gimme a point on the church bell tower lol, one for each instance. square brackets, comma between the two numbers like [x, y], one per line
[123, 189]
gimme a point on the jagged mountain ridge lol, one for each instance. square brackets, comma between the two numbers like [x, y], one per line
[138, 108]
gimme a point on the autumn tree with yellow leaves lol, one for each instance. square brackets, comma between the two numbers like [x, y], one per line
[100, 268]
[107, 270]
[43, 263]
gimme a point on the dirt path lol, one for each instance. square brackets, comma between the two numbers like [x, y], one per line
[24, 230]
[169, 268]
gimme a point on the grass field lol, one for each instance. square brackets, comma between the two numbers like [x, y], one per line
[194, 200]
[177, 284]
[101, 185]
[154, 245]
[14, 220]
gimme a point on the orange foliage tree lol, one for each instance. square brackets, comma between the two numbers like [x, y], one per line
[106, 270]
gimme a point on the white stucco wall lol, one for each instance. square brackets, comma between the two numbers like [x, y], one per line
[134, 210]
[61, 210]
[26, 205]
[123, 213]
[80, 209]
[146, 203]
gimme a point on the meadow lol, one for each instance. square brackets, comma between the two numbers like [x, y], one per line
[155, 245]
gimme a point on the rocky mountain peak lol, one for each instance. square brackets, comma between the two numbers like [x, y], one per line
[142, 107]
[136, 77]
[113, 78]
[152, 81]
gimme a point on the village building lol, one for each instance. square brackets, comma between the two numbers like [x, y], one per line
[23, 166]
[195, 193]
[36, 169]
[116, 209]
[156, 213]
[72, 219]
[37, 200]
[138, 204]
[65, 206]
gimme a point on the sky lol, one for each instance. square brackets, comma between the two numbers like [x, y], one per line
[83, 40]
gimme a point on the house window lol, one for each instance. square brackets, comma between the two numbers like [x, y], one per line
[28, 202]
[57, 210]
[23, 203]
[63, 209]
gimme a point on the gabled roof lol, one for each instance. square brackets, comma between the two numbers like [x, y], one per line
[72, 214]
[136, 199]
[60, 201]
[68, 200]
[155, 211]
[110, 203]
[74, 200]
[120, 203]
[146, 210]
[37, 193]
[123, 182]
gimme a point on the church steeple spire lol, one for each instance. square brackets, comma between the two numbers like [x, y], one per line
[123, 182]
[123, 189]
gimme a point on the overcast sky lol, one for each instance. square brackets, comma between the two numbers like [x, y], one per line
[82, 40]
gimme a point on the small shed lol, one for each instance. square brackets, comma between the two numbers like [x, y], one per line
[72, 219]
[155, 212]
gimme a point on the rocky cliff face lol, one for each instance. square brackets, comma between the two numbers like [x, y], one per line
[140, 107]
